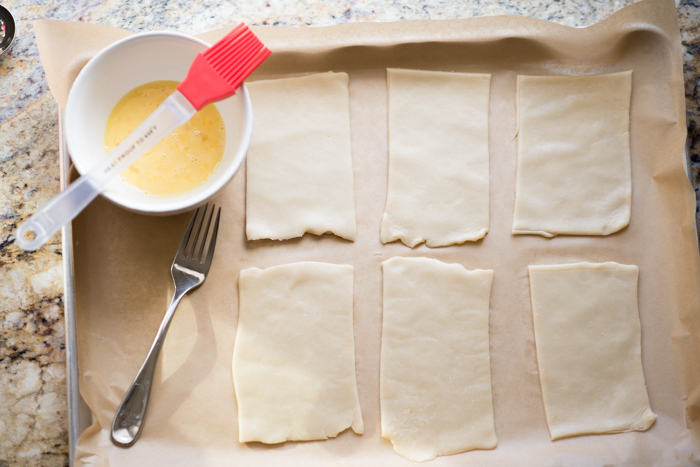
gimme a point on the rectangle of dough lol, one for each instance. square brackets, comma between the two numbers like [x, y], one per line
[294, 355]
[574, 174]
[438, 158]
[589, 354]
[435, 377]
[299, 167]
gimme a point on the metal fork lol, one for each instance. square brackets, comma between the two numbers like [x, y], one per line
[189, 270]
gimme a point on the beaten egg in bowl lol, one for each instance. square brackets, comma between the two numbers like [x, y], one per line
[182, 161]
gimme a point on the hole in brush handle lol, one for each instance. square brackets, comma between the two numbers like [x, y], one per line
[32, 234]
[60, 210]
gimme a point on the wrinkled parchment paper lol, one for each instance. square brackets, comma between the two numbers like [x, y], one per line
[122, 259]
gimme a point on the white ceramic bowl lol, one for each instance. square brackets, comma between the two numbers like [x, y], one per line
[118, 69]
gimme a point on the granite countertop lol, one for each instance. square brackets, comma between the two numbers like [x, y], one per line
[33, 418]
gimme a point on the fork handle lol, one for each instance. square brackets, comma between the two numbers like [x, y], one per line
[130, 415]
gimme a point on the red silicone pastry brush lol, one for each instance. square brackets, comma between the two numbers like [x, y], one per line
[215, 74]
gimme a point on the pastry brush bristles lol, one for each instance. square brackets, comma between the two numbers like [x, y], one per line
[239, 71]
[230, 55]
[256, 61]
[216, 73]
[221, 45]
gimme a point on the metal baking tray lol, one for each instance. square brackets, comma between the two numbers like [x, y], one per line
[79, 415]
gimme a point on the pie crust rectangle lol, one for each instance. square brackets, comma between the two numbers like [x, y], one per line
[589, 354]
[573, 169]
[435, 377]
[299, 165]
[294, 354]
[438, 189]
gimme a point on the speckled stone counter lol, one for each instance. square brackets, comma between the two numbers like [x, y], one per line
[33, 418]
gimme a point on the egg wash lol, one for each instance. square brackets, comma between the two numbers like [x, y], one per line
[179, 163]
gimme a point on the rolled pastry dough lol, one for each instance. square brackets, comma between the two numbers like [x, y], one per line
[299, 166]
[589, 354]
[435, 378]
[574, 174]
[294, 355]
[438, 158]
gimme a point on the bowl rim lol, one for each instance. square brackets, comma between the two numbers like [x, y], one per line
[184, 202]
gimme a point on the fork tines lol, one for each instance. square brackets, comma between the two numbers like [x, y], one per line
[190, 253]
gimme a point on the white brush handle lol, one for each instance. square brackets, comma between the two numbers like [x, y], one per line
[40, 227]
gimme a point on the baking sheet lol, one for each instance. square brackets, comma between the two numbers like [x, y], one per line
[123, 283]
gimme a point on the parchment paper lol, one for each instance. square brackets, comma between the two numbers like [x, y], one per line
[122, 259]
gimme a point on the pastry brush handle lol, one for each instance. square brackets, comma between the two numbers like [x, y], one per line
[64, 207]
